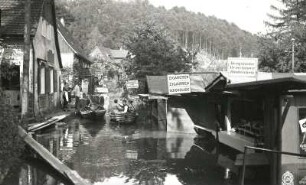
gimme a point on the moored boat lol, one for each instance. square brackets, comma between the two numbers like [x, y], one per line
[99, 112]
[86, 113]
[121, 117]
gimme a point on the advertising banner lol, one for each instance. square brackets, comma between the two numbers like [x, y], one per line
[243, 67]
[178, 84]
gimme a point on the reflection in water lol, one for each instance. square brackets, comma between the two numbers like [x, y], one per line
[104, 153]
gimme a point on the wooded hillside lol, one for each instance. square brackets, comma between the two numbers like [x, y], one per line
[110, 22]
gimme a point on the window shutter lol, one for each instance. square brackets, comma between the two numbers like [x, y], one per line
[47, 80]
[55, 86]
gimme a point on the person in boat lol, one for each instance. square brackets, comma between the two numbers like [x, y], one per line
[95, 103]
[118, 107]
[125, 106]
[131, 108]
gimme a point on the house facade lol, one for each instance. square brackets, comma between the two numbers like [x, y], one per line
[45, 61]
[75, 62]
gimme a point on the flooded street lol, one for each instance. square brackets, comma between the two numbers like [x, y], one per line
[103, 152]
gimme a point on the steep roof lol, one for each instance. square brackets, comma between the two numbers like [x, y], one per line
[73, 44]
[118, 54]
[12, 16]
[100, 52]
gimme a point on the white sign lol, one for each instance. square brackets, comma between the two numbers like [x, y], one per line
[132, 84]
[85, 83]
[246, 67]
[302, 123]
[178, 84]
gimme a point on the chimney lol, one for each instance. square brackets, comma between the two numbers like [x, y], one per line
[62, 21]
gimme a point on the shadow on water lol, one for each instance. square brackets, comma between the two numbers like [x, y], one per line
[33, 171]
[93, 126]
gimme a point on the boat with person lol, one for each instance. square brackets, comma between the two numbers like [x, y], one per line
[123, 117]
[96, 105]
[126, 114]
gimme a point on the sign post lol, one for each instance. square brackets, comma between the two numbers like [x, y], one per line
[178, 84]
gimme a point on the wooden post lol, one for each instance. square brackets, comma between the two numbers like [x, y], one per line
[26, 59]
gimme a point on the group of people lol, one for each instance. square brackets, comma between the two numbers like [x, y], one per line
[68, 92]
[124, 106]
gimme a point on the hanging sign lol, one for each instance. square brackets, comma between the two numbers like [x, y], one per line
[243, 67]
[178, 84]
[132, 84]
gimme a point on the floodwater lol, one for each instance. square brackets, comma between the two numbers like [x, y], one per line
[106, 153]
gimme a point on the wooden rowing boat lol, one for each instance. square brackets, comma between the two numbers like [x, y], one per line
[121, 117]
[99, 112]
[86, 113]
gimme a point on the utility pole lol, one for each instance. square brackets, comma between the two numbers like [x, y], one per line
[26, 59]
[292, 54]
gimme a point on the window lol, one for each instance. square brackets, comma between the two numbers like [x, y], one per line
[51, 81]
[47, 78]
[55, 80]
[14, 82]
[42, 80]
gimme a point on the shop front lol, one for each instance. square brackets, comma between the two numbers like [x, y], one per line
[273, 113]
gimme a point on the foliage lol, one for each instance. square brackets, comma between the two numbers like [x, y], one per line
[11, 144]
[152, 52]
[109, 23]
[276, 47]
[6, 68]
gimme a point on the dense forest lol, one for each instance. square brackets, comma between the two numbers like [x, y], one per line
[110, 23]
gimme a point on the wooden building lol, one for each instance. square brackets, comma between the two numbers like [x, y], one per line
[268, 111]
[274, 109]
[45, 60]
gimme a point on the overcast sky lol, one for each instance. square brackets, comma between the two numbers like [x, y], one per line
[249, 15]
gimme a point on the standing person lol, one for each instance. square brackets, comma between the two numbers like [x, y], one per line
[77, 94]
[65, 96]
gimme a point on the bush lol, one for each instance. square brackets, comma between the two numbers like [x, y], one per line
[11, 144]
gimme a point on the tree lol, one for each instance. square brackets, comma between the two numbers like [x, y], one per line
[153, 52]
[290, 23]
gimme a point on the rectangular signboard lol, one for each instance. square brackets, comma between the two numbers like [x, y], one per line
[244, 67]
[178, 84]
[132, 84]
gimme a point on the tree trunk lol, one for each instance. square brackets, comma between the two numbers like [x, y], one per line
[200, 41]
[186, 39]
[26, 60]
